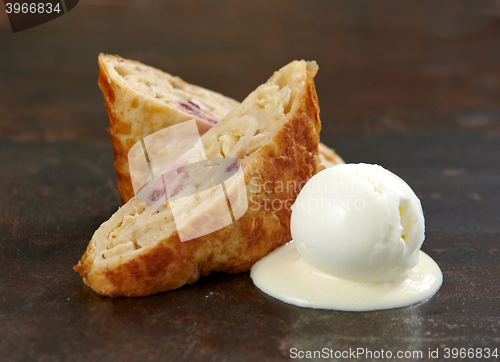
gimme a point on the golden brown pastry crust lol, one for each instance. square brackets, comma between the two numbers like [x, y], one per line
[290, 155]
[134, 114]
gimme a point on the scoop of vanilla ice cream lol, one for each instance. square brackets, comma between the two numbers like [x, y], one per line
[358, 222]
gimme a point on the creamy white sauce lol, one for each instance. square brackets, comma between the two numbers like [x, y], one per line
[285, 275]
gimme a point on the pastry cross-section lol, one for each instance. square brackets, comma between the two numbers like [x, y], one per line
[142, 100]
[273, 135]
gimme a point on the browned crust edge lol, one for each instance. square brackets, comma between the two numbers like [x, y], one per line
[117, 127]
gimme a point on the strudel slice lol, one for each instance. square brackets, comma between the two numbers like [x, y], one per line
[177, 228]
[142, 100]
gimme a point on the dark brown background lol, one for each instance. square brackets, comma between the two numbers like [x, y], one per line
[411, 85]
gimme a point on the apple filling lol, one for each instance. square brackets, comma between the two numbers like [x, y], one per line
[183, 197]
[202, 104]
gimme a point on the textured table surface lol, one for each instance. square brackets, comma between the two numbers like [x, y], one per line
[415, 88]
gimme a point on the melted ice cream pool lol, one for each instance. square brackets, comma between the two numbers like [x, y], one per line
[348, 257]
[286, 276]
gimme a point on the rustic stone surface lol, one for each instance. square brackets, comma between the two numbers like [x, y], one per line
[56, 195]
